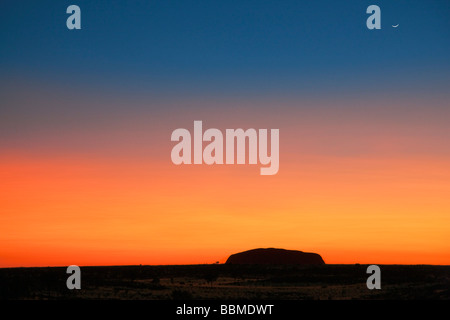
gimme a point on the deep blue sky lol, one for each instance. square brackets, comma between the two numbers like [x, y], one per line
[214, 46]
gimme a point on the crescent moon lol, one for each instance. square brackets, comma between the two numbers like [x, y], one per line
[395, 26]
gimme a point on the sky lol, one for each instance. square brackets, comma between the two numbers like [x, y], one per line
[86, 117]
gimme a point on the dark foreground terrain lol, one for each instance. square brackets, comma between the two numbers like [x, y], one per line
[283, 282]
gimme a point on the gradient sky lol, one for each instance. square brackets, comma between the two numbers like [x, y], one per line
[86, 117]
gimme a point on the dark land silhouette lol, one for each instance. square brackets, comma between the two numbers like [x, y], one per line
[228, 282]
[275, 256]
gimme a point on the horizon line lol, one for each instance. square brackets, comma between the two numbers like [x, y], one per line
[241, 264]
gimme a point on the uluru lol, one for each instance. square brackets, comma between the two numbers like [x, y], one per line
[275, 256]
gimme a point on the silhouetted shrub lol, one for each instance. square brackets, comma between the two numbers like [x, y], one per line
[178, 294]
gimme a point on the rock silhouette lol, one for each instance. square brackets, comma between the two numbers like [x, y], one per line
[275, 256]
